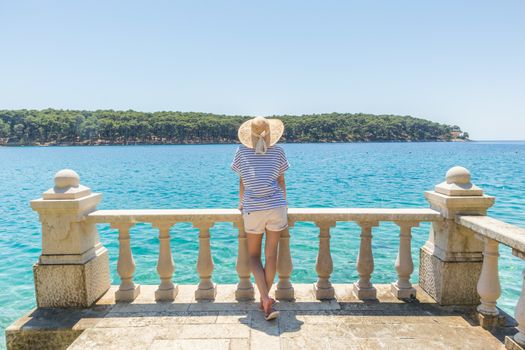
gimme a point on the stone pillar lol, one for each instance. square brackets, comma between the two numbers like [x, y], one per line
[167, 290]
[206, 290]
[489, 289]
[363, 289]
[402, 288]
[244, 291]
[519, 315]
[451, 259]
[323, 289]
[127, 290]
[284, 290]
[73, 269]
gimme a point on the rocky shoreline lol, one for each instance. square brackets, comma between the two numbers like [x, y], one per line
[109, 143]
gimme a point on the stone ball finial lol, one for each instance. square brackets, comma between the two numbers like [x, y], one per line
[67, 178]
[458, 183]
[458, 175]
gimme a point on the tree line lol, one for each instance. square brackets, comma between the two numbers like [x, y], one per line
[59, 127]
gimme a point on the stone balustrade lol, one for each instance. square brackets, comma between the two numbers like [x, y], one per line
[204, 219]
[492, 232]
[458, 263]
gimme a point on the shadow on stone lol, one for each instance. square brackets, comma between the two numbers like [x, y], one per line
[59, 328]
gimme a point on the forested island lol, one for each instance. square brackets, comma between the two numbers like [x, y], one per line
[74, 127]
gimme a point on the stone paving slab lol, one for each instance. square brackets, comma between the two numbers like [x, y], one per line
[345, 323]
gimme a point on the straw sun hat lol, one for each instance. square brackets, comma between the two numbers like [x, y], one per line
[260, 133]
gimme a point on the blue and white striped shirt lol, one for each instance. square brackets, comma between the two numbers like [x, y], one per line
[259, 174]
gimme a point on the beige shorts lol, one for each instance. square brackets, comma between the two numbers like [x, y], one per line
[256, 222]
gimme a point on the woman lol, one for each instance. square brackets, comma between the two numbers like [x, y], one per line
[261, 166]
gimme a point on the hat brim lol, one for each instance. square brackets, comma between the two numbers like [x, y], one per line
[245, 132]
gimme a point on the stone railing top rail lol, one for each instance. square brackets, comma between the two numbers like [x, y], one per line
[507, 234]
[294, 214]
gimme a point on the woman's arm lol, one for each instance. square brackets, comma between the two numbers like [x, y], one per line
[282, 184]
[241, 193]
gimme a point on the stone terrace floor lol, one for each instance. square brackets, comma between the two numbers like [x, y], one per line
[345, 323]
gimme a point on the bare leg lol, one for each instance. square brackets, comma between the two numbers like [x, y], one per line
[254, 252]
[270, 252]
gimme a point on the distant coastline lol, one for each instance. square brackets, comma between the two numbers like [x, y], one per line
[51, 127]
[107, 144]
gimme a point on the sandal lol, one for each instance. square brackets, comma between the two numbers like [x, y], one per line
[269, 312]
[261, 304]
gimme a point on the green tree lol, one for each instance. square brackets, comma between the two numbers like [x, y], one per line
[5, 130]
[69, 126]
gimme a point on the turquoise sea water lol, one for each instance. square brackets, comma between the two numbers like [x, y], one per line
[387, 175]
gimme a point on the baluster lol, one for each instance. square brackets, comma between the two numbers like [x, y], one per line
[402, 288]
[363, 289]
[324, 266]
[244, 287]
[284, 289]
[167, 291]
[519, 314]
[206, 289]
[488, 284]
[127, 291]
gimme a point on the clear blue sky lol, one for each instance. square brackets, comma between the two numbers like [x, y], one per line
[458, 62]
